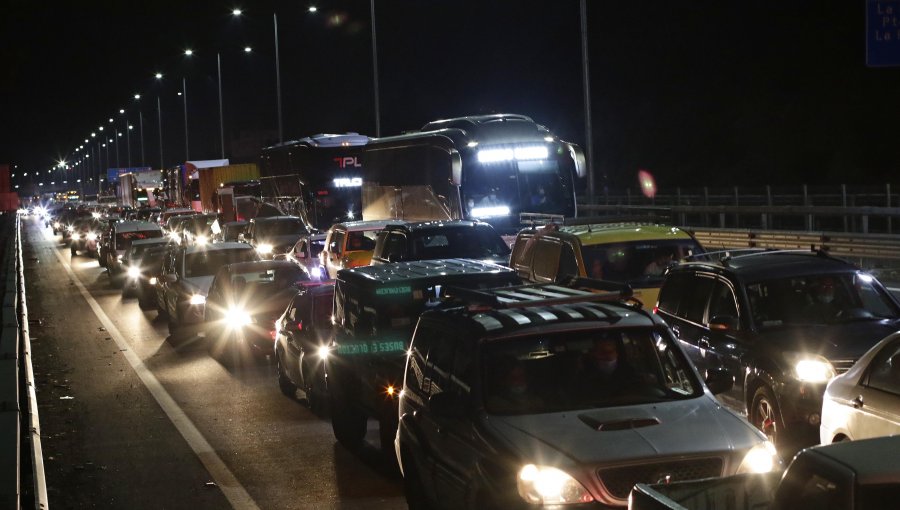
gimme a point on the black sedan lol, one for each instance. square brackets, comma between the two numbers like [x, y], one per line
[243, 304]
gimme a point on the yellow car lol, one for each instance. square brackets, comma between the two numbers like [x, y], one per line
[634, 253]
[350, 244]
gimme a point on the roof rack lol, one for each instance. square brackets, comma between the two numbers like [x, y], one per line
[541, 219]
[576, 290]
[728, 255]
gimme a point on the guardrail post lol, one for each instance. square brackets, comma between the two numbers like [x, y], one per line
[737, 202]
[706, 204]
[865, 223]
[809, 217]
[888, 185]
[844, 203]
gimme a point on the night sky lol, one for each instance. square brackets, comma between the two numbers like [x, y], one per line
[708, 92]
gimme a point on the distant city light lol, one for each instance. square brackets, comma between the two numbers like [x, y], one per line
[179, 93]
[237, 12]
[313, 8]
[110, 121]
[188, 52]
[100, 128]
[137, 96]
[93, 135]
[158, 76]
[247, 49]
[121, 110]
[130, 126]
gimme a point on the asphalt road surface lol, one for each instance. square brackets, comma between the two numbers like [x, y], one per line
[130, 419]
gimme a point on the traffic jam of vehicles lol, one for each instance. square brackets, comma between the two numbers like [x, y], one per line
[512, 354]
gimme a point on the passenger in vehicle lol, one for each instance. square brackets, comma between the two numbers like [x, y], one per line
[659, 264]
[509, 391]
[603, 371]
[822, 307]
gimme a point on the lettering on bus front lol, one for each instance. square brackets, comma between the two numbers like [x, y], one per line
[347, 162]
[371, 347]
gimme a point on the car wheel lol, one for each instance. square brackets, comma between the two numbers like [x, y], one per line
[347, 421]
[766, 416]
[284, 382]
[145, 303]
[316, 396]
[413, 489]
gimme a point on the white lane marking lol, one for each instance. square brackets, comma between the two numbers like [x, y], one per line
[224, 478]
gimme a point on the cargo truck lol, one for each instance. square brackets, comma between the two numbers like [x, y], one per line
[212, 178]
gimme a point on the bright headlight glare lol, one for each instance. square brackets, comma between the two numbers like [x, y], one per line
[237, 318]
[153, 280]
[489, 212]
[134, 272]
[56, 224]
[91, 236]
[536, 152]
[811, 368]
[762, 458]
[550, 486]
[324, 351]
[198, 299]
[202, 240]
[76, 236]
[264, 249]
[70, 228]
[316, 272]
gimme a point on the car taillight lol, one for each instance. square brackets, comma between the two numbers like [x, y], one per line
[655, 309]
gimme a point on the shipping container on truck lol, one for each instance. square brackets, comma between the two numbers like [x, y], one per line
[212, 178]
[181, 183]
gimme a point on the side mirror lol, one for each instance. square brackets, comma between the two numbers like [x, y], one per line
[723, 323]
[447, 405]
[719, 380]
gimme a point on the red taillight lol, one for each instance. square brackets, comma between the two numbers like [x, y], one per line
[300, 326]
[655, 309]
[272, 334]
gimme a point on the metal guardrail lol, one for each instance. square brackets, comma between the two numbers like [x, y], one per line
[17, 387]
[848, 246]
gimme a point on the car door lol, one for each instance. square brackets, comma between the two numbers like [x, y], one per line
[724, 340]
[291, 328]
[162, 284]
[682, 304]
[876, 407]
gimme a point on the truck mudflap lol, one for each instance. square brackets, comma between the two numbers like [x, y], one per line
[749, 491]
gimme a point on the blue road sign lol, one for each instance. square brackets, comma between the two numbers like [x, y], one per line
[882, 33]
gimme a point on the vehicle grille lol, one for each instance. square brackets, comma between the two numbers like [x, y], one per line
[619, 480]
[842, 365]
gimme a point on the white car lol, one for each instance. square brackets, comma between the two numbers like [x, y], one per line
[864, 402]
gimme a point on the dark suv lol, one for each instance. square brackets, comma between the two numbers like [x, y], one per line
[542, 396]
[432, 240]
[783, 323]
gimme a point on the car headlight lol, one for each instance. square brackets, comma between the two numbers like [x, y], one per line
[264, 249]
[91, 236]
[237, 318]
[324, 351]
[76, 236]
[549, 485]
[70, 228]
[153, 280]
[198, 299]
[134, 272]
[56, 224]
[762, 458]
[201, 240]
[810, 367]
[316, 272]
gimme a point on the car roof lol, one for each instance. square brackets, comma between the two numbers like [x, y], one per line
[136, 226]
[355, 226]
[218, 247]
[510, 309]
[432, 224]
[606, 233]
[267, 219]
[762, 265]
[873, 460]
[423, 270]
[243, 267]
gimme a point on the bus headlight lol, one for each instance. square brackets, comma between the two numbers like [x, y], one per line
[198, 299]
[201, 240]
[153, 280]
[264, 249]
[76, 236]
[134, 272]
[91, 236]
[324, 351]
[549, 485]
[762, 458]
[490, 212]
[316, 272]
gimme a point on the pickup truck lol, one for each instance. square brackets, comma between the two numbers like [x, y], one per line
[375, 311]
[855, 475]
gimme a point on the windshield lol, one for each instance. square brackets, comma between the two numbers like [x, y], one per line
[207, 262]
[280, 228]
[637, 262]
[471, 243]
[316, 247]
[200, 224]
[266, 281]
[566, 371]
[123, 239]
[818, 299]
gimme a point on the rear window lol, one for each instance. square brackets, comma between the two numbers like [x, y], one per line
[470, 243]
[206, 263]
[124, 239]
[638, 262]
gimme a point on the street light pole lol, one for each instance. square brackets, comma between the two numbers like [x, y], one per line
[588, 130]
[221, 118]
[162, 164]
[187, 153]
[278, 80]
[375, 72]
[141, 125]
